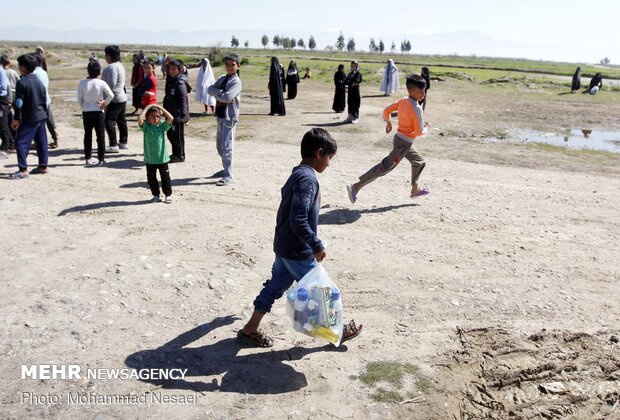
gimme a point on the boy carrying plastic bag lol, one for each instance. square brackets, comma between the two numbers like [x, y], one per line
[315, 306]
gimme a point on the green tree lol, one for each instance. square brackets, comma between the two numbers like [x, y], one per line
[381, 46]
[286, 43]
[264, 40]
[293, 42]
[393, 47]
[405, 46]
[340, 42]
[311, 43]
[301, 43]
[372, 46]
[234, 42]
[351, 45]
[277, 41]
[246, 43]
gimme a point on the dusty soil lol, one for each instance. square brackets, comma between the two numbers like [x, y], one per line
[500, 286]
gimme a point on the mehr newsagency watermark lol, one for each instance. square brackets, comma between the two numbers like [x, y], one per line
[70, 372]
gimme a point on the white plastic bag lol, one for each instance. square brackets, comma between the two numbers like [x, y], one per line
[315, 306]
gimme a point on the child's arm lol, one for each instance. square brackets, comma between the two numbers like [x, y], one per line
[143, 114]
[387, 113]
[303, 196]
[233, 89]
[214, 90]
[107, 96]
[169, 117]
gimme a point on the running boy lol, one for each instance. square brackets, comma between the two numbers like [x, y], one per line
[296, 245]
[155, 153]
[227, 93]
[30, 117]
[410, 126]
[93, 96]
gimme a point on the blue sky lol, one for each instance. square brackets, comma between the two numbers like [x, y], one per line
[566, 25]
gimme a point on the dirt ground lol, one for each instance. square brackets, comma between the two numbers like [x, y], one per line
[500, 286]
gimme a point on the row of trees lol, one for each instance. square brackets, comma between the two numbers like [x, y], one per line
[289, 42]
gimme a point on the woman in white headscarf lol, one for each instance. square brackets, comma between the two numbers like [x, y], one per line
[203, 81]
[390, 78]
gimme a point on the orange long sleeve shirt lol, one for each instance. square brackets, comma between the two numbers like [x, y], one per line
[410, 121]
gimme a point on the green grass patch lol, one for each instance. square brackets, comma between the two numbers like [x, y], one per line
[571, 152]
[394, 376]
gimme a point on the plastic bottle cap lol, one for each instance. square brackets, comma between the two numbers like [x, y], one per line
[335, 294]
[302, 294]
[292, 295]
[312, 304]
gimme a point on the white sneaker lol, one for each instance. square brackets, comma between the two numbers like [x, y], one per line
[123, 146]
[355, 121]
[112, 149]
[168, 200]
[92, 161]
[156, 199]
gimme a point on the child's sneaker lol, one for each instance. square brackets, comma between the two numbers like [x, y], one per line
[123, 146]
[355, 121]
[156, 199]
[168, 200]
[92, 161]
[112, 149]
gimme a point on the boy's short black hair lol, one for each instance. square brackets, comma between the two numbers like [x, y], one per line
[28, 61]
[176, 63]
[150, 111]
[114, 51]
[232, 57]
[5, 60]
[415, 81]
[315, 139]
[148, 61]
[93, 68]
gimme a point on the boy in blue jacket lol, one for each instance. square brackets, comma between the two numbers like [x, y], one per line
[296, 245]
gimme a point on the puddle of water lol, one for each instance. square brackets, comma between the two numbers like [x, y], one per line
[608, 141]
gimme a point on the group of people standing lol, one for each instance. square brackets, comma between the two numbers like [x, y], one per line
[596, 83]
[281, 80]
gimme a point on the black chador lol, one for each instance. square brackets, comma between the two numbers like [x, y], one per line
[275, 88]
[340, 94]
[292, 78]
[576, 80]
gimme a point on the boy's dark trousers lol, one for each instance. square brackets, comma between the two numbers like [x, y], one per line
[94, 120]
[176, 136]
[51, 124]
[25, 134]
[164, 173]
[115, 114]
[5, 131]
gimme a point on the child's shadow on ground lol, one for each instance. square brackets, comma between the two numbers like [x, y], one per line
[346, 216]
[107, 204]
[174, 183]
[257, 373]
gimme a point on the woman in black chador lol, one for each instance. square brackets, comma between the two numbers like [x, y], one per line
[576, 80]
[292, 78]
[275, 88]
[354, 78]
[426, 75]
[340, 93]
[597, 80]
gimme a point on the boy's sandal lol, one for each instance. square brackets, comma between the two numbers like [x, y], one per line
[38, 171]
[19, 175]
[420, 193]
[257, 339]
[352, 195]
[350, 331]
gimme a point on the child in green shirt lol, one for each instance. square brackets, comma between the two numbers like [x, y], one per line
[155, 154]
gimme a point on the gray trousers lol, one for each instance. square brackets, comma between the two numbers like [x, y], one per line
[224, 143]
[402, 149]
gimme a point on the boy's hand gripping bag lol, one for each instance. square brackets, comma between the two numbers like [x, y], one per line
[315, 306]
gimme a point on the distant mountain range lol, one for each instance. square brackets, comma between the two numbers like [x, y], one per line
[461, 43]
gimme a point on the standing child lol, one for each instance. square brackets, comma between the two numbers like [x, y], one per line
[296, 245]
[410, 126]
[155, 153]
[340, 94]
[227, 93]
[116, 111]
[5, 100]
[148, 88]
[354, 78]
[275, 86]
[426, 75]
[137, 76]
[205, 79]
[93, 96]
[30, 117]
[175, 102]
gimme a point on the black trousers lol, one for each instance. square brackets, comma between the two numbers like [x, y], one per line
[94, 120]
[5, 131]
[164, 173]
[176, 136]
[115, 114]
[51, 124]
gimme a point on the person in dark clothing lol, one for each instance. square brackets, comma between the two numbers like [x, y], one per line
[175, 102]
[576, 80]
[427, 78]
[275, 89]
[353, 80]
[340, 96]
[30, 117]
[296, 244]
[283, 77]
[137, 76]
[292, 78]
[597, 80]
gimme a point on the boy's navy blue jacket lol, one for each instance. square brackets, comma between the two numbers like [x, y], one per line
[30, 99]
[298, 216]
[175, 101]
